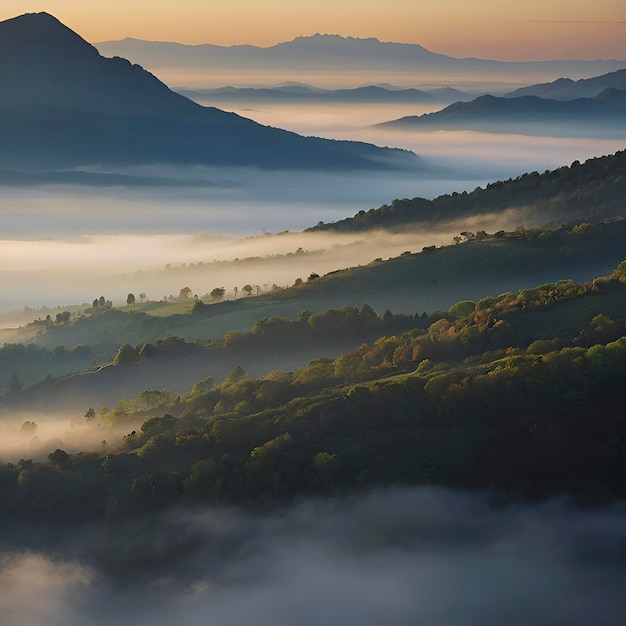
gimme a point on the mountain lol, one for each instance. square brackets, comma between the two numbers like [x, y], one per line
[568, 89]
[63, 105]
[583, 192]
[526, 114]
[369, 93]
[333, 53]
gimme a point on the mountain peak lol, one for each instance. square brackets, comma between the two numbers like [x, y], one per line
[63, 105]
[34, 33]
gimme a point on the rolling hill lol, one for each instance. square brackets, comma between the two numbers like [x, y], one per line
[519, 395]
[529, 115]
[592, 190]
[410, 284]
[568, 89]
[63, 105]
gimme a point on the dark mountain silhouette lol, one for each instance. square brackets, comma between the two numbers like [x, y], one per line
[63, 105]
[526, 114]
[568, 89]
[333, 52]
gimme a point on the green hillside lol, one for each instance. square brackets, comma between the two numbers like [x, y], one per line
[522, 394]
[593, 190]
[412, 283]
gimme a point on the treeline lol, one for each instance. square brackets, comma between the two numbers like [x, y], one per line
[523, 394]
[22, 365]
[590, 191]
[342, 325]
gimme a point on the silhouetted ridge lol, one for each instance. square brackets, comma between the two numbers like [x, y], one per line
[486, 112]
[63, 105]
[36, 33]
[46, 63]
[568, 89]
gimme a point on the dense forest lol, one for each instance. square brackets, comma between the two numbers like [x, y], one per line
[592, 190]
[521, 393]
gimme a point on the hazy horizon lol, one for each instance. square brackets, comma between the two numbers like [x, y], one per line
[196, 496]
[486, 28]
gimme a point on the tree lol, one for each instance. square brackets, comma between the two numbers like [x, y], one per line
[59, 458]
[63, 317]
[325, 465]
[28, 427]
[126, 354]
[198, 307]
[142, 297]
[218, 293]
[235, 375]
[247, 289]
[102, 302]
[130, 299]
[15, 383]
[462, 309]
[185, 293]
[90, 415]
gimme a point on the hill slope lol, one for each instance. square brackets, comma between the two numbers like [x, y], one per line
[525, 114]
[519, 395]
[411, 283]
[568, 89]
[63, 105]
[591, 191]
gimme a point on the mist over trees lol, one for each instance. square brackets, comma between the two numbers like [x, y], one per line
[411, 416]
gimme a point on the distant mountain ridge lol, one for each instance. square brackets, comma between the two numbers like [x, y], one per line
[368, 93]
[568, 89]
[526, 114]
[63, 105]
[342, 52]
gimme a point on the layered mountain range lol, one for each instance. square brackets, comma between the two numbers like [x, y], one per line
[524, 114]
[334, 52]
[568, 89]
[63, 105]
[305, 93]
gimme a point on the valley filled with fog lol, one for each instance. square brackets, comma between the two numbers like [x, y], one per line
[401, 556]
[69, 242]
[245, 379]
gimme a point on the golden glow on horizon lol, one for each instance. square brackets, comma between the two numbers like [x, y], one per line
[484, 28]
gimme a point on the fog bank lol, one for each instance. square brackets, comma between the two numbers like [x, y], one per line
[55, 272]
[395, 556]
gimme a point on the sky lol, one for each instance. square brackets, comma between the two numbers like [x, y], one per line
[531, 30]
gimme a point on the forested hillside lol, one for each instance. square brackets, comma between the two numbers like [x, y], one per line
[522, 393]
[592, 190]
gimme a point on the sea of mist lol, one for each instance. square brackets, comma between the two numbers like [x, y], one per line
[69, 244]
[35, 434]
[394, 556]
[75, 270]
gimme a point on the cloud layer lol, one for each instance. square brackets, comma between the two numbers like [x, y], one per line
[401, 556]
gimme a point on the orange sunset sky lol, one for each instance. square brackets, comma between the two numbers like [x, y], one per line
[501, 29]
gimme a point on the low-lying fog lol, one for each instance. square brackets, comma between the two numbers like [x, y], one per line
[397, 556]
[34, 435]
[53, 272]
[64, 245]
